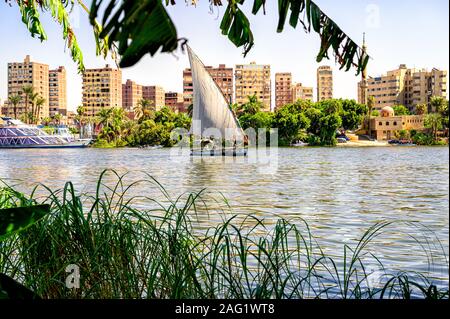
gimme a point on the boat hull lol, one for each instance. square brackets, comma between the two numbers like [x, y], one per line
[219, 152]
[67, 145]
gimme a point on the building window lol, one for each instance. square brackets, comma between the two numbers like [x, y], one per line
[395, 123]
[380, 123]
[387, 123]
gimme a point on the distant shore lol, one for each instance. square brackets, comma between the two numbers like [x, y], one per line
[364, 144]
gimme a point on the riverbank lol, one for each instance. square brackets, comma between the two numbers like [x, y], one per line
[364, 144]
[123, 251]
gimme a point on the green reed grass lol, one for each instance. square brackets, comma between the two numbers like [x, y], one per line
[125, 252]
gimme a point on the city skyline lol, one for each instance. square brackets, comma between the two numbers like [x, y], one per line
[292, 51]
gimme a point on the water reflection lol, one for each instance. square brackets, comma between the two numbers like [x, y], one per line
[340, 192]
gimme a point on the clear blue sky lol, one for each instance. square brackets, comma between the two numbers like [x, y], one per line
[403, 31]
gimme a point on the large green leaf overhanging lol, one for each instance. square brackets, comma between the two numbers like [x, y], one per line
[59, 10]
[144, 26]
[18, 218]
[135, 28]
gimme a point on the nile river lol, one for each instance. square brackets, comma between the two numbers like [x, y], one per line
[340, 192]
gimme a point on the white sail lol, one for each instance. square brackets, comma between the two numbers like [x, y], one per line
[210, 107]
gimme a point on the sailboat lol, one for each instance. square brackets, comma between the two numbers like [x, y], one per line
[214, 125]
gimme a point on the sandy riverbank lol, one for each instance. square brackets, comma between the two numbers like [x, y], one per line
[364, 144]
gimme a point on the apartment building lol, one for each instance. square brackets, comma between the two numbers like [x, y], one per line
[57, 91]
[283, 89]
[28, 73]
[155, 94]
[324, 83]
[300, 92]
[406, 86]
[102, 88]
[253, 79]
[175, 101]
[222, 75]
[131, 94]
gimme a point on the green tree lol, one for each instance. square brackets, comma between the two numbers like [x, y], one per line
[352, 114]
[433, 121]
[46, 120]
[400, 110]
[143, 108]
[375, 113]
[437, 103]
[14, 100]
[182, 120]
[38, 102]
[57, 118]
[289, 123]
[329, 125]
[252, 107]
[28, 91]
[421, 109]
[370, 106]
[314, 115]
[34, 96]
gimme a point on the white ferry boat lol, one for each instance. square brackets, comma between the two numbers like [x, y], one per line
[16, 134]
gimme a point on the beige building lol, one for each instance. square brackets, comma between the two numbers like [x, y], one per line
[57, 91]
[300, 92]
[175, 101]
[405, 86]
[253, 79]
[102, 88]
[222, 75]
[283, 89]
[131, 94]
[28, 73]
[324, 83]
[155, 94]
[387, 125]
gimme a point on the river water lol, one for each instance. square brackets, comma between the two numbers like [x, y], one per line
[340, 192]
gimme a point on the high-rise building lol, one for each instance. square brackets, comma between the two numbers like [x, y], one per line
[102, 88]
[324, 83]
[155, 94]
[131, 94]
[283, 89]
[222, 75]
[32, 74]
[424, 84]
[405, 86]
[175, 101]
[253, 79]
[57, 91]
[300, 92]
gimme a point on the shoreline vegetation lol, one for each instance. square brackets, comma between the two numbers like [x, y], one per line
[124, 251]
[316, 124]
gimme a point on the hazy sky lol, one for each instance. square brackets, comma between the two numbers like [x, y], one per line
[412, 32]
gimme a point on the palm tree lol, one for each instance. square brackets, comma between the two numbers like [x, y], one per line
[433, 121]
[57, 117]
[39, 102]
[252, 107]
[28, 91]
[370, 105]
[437, 103]
[33, 98]
[80, 117]
[15, 99]
[143, 107]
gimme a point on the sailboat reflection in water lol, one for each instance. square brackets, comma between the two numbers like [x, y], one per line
[215, 128]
